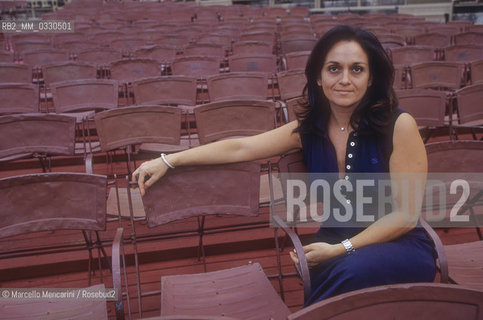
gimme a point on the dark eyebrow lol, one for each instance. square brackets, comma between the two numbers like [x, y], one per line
[337, 63]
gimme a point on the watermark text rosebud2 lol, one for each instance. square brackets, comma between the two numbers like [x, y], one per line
[358, 200]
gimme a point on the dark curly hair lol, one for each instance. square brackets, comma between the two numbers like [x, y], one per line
[378, 105]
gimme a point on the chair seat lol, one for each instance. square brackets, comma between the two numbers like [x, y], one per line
[243, 292]
[137, 203]
[465, 263]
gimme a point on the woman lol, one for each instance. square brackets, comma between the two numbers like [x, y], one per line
[351, 123]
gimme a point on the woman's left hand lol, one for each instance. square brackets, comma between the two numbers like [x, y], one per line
[318, 252]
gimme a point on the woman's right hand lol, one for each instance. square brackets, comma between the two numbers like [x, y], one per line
[148, 173]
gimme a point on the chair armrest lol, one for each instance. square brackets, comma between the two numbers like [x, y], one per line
[116, 272]
[302, 267]
[438, 245]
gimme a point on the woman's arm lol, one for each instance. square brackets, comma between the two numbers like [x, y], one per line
[408, 165]
[265, 145]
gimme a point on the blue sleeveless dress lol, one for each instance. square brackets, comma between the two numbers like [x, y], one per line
[410, 258]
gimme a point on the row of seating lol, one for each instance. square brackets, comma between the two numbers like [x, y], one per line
[181, 90]
[223, 181]
[128, 43]
[462, 65]
[195, 31]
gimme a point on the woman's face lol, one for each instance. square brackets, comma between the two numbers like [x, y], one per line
[345, 76]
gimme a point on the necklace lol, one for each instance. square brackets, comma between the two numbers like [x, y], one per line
[342, 129]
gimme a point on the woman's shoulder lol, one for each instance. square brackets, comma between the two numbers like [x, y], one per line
[404, 123]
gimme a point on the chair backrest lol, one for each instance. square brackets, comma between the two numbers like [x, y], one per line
[468, 38]
[455, 156]
[446, 29]
[303, 29]
[297, 60]
[274, 12]
[468, 101]
[300, 43]
[172, 40]
[122, 127]
[233, 118]
[177, 90]
[49, 134]
[74, 46]
[134, 69]
[391, 40]
[15, 73]
[291, 83]
[106, 36]
[264, 36]
[204, 49]
[238, 85]
[476, 27]
[322, 28]
[197, 66]
[463, 52]
[19, 98]
[21, 46]
[63, 37]
[292, 162]
[427, 106]
[438, 40]
[402, 301]
[252, 47]
[102, 55]
[231, 189]
[44, 56]
[412, 54]
[85, 95]
[405, 30]
[6, 56]
[68, 71]
[52, 201]
[216, 38]
[259, 63]
[437, 74]
[127, 43]
[476, 68]
[161, 54]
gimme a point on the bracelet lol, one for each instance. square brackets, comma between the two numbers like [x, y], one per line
[348, 246]
[163, 156]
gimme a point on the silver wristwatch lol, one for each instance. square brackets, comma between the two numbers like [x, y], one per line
[348, 246]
